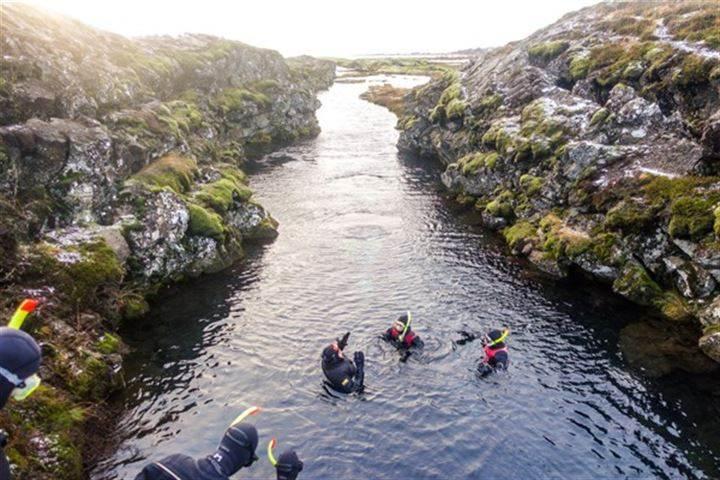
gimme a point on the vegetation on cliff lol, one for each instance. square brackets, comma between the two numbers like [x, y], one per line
[594, 146]
[121, 171]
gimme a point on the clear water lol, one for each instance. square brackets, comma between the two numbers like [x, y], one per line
[366, 235]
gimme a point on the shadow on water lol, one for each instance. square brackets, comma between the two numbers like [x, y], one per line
[366, 234]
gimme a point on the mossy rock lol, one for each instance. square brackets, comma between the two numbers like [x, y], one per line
[517, 234]
[455, 109]
[235, 99]
[692, 217]
[501, 206]
[471, 163]
[108, 344]
[205, 223]
[694, 70]
[92, 382]
[674, 307]
[173, 171]
[629, 215]
[579, 67]
[545, 52]
[531, 184]
[92, 272]
[221, 194]
[636, 284]
[599, 117]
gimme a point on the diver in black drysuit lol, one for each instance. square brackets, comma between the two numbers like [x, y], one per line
[236, 450]
[343, 374]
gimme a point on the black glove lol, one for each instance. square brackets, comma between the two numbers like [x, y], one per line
[360, 373]
[342, 342]
[288, 465]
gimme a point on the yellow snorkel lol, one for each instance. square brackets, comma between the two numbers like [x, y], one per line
[26, 308]
[502, 338]
[245, 414]
[407, 327]
[271, 457]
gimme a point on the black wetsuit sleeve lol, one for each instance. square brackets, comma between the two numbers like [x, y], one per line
[418, 343]
[359, 380]
[387, 335]
[4, 466]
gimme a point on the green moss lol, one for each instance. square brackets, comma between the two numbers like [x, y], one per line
[205, 223]
[703, 25]
[455, 109]
[716, 223]
[437, 114]
[93, 379]
[631, 25]
[544, 52]
[108, 344]
[692, 217]
[560, 241]
[635, 284]
[579, 67]
[711, 329]
[694, 70]
[234, 99]
[98, 268]
[519, 233]
[501, 206]
[221, 194]
[599, 116]
[629, 215]
[452, 92]
[171, 171]
[53, 411]
[531, 184]
[133, 306]
[674, 307]
[471, 163]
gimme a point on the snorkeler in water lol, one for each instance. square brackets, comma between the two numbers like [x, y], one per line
[496, 352]
[401, 333]
[343, 374]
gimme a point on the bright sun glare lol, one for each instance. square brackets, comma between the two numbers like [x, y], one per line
[328, 28]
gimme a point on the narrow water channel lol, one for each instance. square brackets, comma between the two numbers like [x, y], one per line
[366, 235]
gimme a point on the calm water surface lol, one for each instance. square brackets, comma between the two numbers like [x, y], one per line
[365, 235]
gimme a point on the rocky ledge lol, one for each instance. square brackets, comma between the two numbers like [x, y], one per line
[594, 146]
[121, 171]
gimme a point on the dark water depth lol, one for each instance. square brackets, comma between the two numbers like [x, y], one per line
[366, 235]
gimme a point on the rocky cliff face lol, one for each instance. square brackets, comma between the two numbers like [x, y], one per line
[120, 171]
[594, 146]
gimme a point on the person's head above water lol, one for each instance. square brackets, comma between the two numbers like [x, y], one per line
[236, 449]
[495, 338]
[401, 322]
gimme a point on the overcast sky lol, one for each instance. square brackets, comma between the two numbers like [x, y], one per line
[329, 28]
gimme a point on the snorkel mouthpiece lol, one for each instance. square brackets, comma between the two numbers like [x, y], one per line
[245, 414]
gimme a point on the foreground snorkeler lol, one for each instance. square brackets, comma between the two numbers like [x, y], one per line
[341, 373]
[401, 333]
[236, 450]
[496, 352]
[19, 362]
